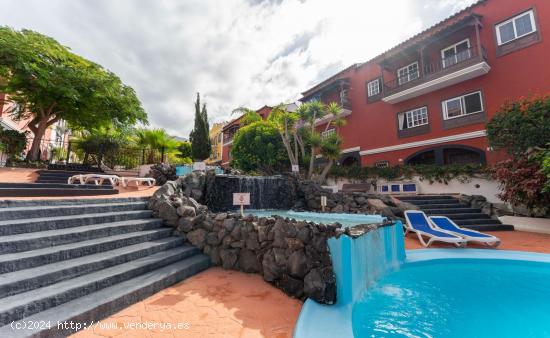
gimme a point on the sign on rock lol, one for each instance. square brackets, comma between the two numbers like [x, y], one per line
[242, 199]
[199, 166]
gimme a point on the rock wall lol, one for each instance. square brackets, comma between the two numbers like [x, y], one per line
[292, 255]
[309, 198]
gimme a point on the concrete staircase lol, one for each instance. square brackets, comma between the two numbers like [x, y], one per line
[461, 214]
[82, 260]
[52, 183]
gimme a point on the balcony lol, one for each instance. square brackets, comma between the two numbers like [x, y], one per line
[465, 65]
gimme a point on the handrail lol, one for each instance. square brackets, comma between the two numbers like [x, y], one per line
[432, 69]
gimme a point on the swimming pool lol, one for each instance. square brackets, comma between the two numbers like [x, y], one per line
[326, 218]
[441, 293]
[458, 298]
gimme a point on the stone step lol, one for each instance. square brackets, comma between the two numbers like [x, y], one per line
[28, 303]
[54, 192]
[471, 221]
[443, 206]
[66, 210]
[24, 280]
[451, 211]
[100, 304]
[49, 238]
[14, 227]
[490, 227]
[463, 216]
[106, 184]
[68, 201]
[62, 185]
[425, 197]
[434, 201]
[30, 259]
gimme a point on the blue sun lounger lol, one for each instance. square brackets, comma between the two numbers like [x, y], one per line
[446, 224]
[419, 223]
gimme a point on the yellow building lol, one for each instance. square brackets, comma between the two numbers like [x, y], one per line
[216, 138]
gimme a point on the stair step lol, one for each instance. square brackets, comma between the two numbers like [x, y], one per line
[68, 201]
[98, 305]
[464, 216]
[24, 280]
[425, 197]
[491, 227]
[66, 210]
[63, 185]
[30, 259]
[55, 192]
[443, 206]
[462, 222]
[28, 303]
[14, 227]
[434, 201]
[43, 239]
[452, 211]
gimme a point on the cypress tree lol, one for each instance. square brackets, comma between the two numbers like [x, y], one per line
[199, 137]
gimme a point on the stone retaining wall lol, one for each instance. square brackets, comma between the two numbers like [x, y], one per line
[292, 255]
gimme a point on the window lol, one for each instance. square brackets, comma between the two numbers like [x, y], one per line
[413, 118]
[382, 164]
[408, 73]
[516, 27]
[456, 53]
[462, 105]
[373, 88]
[327, 133]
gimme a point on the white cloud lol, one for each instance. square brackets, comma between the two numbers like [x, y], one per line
[235, 52]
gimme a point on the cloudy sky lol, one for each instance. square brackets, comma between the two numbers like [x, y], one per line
[234, 52]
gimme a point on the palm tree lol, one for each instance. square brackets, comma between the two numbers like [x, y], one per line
[310, 112]
[155, 140]
[285, 122]
[330, 149]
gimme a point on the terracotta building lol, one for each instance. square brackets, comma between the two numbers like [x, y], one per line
[427, 100]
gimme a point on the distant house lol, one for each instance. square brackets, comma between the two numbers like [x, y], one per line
[427, 100]
[57, 135]
[216, 138]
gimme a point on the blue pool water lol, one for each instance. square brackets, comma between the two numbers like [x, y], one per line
[345, 219]
[458, 298]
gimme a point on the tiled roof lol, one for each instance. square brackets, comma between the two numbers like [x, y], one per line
[431, 30]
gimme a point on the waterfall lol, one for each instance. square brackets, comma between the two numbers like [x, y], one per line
[359, 262]
[266, 192]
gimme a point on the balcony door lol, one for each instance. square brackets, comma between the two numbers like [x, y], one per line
[456, 53]
[408, 73]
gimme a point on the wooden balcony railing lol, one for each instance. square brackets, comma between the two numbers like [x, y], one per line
[435, 70]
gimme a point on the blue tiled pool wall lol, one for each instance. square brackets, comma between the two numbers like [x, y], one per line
[359, 262]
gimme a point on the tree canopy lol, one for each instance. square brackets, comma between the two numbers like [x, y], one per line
[47, 83]
[521, 125]
[258, 147]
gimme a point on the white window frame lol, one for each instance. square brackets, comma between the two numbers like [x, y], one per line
[327, 133]
[408, 76]
[462, 105]
[409, 117]
[531, 14]
[371, 90]
[382, 164]
[455, 54]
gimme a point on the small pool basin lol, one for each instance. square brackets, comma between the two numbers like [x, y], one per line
[346, 220]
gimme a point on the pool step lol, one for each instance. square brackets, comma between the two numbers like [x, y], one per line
[83, 261]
